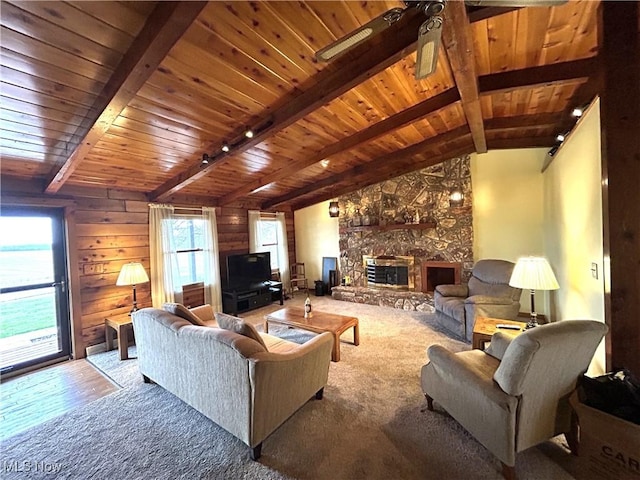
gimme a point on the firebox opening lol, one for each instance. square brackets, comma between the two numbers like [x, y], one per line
[387, 271]
[440, 273]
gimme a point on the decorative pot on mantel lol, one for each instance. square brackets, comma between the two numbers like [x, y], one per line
[357, 220]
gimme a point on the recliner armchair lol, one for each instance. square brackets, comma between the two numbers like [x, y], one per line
[514, 395]
[487, 294]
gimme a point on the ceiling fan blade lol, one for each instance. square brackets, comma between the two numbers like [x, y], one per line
[514, 3]
[428, 46]
[359, 35]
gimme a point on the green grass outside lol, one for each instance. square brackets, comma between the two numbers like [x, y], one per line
[27, 315]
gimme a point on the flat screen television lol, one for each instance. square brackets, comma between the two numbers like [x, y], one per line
[248, 269]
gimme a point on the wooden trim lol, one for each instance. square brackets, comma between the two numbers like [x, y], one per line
[37, 201]
[458, 42]
[376, 130]
[164, 27]
[345, 73]
[75, 295]
[620, 123]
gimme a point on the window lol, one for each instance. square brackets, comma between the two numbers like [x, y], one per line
[268, 240]
[188, 240]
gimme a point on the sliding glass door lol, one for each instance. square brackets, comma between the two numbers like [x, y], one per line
[34, 310]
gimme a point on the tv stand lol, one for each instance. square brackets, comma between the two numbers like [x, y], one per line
[242, 299]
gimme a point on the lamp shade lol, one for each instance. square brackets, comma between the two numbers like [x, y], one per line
[132, 274]
[533, 273]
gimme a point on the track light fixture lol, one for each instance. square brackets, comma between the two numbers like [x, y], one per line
[561, 136]
[577, 112]
[553, 150]
[248, 133]
[205, 158]
[225, 147]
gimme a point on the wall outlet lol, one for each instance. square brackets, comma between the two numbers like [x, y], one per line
[594, 270]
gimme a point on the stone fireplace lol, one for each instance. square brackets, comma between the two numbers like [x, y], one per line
[409, 216]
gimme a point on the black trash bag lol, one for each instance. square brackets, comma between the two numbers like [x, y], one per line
[616, 393]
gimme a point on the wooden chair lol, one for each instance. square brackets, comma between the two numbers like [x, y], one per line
[298, 279]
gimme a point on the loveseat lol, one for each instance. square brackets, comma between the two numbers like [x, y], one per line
[247, 387]
[487, 294]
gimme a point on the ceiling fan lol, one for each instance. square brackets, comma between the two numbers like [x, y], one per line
[429, 32]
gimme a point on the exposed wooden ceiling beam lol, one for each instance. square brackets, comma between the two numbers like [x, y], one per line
[508, 124]
[463, 146]
[377, 130]
[166, 24]
[546, 141]
[458, 42]
[385, 161]
[477, 14]
[346, 72]
[543, 76]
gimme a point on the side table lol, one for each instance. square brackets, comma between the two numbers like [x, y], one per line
[122, 326]
[485, 327]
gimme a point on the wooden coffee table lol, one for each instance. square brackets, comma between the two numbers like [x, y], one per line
[485, 327]
[319, 322]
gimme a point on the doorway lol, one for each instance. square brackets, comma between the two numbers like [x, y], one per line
[34, 303]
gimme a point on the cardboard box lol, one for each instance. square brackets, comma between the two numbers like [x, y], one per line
[609, 446]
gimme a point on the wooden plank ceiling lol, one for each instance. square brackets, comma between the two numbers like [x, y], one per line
[131, 95]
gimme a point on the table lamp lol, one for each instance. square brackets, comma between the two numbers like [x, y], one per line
[533, 273]
[132, 274]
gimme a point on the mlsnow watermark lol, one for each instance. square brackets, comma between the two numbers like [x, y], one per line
[23, 466]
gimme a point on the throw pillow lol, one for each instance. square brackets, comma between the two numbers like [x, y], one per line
[183, 312]
[238, 325]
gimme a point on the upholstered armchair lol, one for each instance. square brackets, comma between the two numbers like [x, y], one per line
[514, 395]
[487, 294]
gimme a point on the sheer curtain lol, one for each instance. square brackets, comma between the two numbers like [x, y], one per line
[212, 290]
[283, 249]
[165, 284]
[254, 232]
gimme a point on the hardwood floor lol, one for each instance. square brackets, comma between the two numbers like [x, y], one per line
[35, 397]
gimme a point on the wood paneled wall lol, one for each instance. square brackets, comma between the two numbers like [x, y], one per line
[112, 228]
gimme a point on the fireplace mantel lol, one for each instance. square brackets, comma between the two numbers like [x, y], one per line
[386, 228]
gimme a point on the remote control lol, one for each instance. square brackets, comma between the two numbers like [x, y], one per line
[510, 327]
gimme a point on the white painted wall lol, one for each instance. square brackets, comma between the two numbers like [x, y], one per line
[508, 214]
[573, 225]
[316, 237]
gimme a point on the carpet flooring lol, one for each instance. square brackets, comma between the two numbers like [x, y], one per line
[371, 424]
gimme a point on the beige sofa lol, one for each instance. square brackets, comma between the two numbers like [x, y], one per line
[247, 389]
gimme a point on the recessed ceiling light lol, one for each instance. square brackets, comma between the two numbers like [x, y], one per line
[324, 163]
